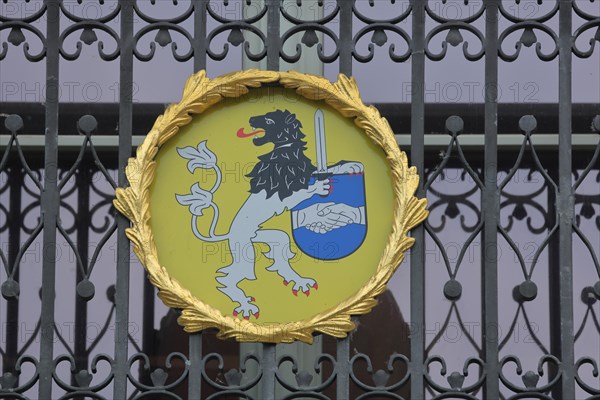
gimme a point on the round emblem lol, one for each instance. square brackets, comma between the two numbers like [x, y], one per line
[270, 212]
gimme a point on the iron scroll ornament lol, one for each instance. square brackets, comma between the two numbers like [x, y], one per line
[201, 93]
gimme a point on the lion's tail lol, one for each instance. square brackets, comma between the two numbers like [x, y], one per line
[212, 237]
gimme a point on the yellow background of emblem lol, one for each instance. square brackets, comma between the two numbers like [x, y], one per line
[194, 263]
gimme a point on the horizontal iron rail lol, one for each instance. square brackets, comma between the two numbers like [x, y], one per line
[581, 141]
[397, 114]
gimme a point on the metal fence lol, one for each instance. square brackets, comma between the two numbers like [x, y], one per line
[533, 197]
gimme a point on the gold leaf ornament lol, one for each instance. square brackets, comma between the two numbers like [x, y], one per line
[199, 94]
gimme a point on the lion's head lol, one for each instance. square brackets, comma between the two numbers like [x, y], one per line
[281, 127]
[285, 169]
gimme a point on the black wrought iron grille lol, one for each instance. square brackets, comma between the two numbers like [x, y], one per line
[499, 298]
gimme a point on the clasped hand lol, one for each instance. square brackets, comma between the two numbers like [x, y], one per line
[325, 217]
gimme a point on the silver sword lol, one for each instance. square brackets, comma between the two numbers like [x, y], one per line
[320, 139]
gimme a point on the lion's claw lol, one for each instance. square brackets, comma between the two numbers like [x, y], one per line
[247, 317]
[246, 310]
[302, 285]
[285, 283]
[316, 286]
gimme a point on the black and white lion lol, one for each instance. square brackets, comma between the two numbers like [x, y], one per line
[278, 182]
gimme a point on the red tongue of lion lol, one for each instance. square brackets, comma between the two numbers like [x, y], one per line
[242, 134]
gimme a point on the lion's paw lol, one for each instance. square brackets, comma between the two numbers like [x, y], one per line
[246, 310]
[351, 167]
[322, 188]
[304, 285]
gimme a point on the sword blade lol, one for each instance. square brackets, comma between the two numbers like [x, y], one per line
[320, 139]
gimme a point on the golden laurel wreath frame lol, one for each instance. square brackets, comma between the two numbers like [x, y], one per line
[199, 94]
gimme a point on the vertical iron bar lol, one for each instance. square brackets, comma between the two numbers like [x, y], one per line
[269, 366]
[554, 302]
[273, 39]
[200, 30]
[196, 365]
[148, 333]
[565, 200]
[15, 222]
[125, 131]
[82, 180]
[50, 200]
[195, 339]
[343, 369]
[345, 49]
[417, 153]
[346, 45]
[490, 206]
[82, 245]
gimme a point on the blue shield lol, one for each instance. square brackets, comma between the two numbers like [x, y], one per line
[338, 243]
